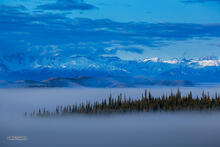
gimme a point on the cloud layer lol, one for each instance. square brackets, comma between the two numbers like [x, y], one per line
[51, 33]
[65, 5]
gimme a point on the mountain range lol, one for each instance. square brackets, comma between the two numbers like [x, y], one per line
[104, 71]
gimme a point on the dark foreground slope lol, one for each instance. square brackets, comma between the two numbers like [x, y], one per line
[95, 82]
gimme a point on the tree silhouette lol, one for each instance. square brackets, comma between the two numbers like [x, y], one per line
[147, 103]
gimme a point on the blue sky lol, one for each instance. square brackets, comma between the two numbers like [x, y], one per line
[129, 29]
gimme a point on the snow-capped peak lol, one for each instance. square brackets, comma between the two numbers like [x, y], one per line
[198, 62]
[174, 61]
[152, 59]
[208, 58]
[204, 63]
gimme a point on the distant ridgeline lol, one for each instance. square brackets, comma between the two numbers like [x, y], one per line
[148, 103]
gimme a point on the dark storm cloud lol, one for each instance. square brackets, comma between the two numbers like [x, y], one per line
[65, 5]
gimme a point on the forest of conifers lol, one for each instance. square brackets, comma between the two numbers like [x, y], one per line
[148, 103]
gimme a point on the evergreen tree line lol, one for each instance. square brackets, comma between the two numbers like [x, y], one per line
[148, 103]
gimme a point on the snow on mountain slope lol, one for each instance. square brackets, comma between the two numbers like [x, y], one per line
[204, 63]
[196, 63]
[22, 66]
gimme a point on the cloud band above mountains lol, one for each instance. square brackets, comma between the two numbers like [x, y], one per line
[54, 33]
